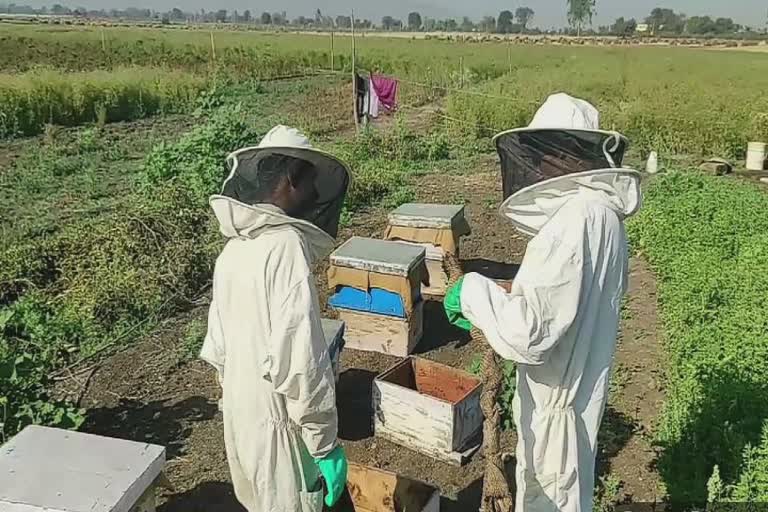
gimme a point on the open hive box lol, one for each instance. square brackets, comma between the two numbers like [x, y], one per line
[436, 227]
[429, 407]
[376, 285]
[375, 490]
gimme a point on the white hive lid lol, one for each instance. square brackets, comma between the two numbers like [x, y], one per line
[53, 470]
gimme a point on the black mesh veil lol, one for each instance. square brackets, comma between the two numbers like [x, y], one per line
[254, 172]
[530, 156]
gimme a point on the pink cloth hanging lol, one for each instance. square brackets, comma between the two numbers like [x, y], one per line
[386, 90]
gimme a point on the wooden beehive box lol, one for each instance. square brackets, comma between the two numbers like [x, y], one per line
[389, 261]
[47, 469]
[438, 227]
[375, 490]
[429, 407]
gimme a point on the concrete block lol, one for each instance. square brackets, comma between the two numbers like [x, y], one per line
[51, 470]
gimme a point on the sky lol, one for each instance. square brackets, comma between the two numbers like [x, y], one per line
[549, 13]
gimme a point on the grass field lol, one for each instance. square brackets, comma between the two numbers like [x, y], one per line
[111, 141]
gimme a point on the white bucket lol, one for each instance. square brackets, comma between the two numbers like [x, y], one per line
[756, 156]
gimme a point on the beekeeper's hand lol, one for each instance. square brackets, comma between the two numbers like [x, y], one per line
[452, 306]
[333, 467]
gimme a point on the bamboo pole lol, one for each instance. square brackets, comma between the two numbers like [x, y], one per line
[461, 72]
[103, 41]
[333, 68]
[354, 74]
[213, 47]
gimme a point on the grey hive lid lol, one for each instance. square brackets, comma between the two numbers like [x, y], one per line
[53, 470]
[422, 215]
[382, 256]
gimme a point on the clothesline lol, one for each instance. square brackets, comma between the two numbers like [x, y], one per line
[430, 86]
[449, 118]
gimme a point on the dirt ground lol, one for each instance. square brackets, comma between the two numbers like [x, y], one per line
[148, 393]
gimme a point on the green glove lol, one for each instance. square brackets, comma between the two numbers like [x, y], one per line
[333, 467]
[452, 305]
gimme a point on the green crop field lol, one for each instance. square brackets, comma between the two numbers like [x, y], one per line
[112, 138]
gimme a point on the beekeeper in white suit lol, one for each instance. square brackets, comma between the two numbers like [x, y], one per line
[560, 320]
[279, 209]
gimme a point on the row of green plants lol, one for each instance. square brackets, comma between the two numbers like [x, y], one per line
[67, 293]
[30, 101]
[706, 238]
[671, 100]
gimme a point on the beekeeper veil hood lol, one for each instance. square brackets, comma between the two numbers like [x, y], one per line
[560, 153]
[243, 208]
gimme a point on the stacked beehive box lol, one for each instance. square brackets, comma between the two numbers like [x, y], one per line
[436, 227]
[376, 288]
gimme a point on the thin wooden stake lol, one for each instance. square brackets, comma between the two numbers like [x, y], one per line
[332, 63]
[103, 42]
[213, 47]
[509, 54]
[461, 72]
[354, 74]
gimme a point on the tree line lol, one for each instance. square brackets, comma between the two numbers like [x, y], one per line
[661, 21]
[664, 21]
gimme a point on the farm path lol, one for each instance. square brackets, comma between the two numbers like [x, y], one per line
[151, 393]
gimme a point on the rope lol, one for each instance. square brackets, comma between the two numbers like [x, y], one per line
[497, 496]
[430, 86]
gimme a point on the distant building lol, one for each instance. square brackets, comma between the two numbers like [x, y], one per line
[642, 28]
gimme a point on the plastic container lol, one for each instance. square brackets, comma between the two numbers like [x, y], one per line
[652, 165]
[756, 152]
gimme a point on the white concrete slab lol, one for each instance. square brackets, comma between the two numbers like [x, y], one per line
[53, 470]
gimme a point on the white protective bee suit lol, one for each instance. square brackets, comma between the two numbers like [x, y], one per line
[559, 323]
[266, 341]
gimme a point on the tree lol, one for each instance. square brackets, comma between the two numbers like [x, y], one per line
[504, 25]
[59, 9]
[387, 22]
[524, 15]
[488, 24]
[580, 13]
[701, 25]
[467, 25]
[666, 20]
[266, 18]
[622, 27]
[430, 24]
[725, 26]
[221, 16]
[451, 25]
[344, 21]
[177, 14]
[279, 19]
[414, 21]
[247, 16]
